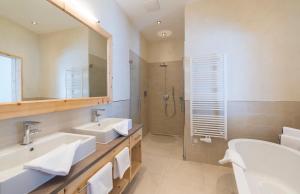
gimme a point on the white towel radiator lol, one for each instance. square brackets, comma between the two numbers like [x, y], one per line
[208, 107]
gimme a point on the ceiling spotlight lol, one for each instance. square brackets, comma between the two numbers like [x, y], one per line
[158, 22]
[164, 34]
[34, 22]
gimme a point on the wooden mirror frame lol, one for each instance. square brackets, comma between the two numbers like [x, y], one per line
[30, 108]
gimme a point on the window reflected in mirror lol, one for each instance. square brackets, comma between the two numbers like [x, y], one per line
[58, 57]
[10, 75]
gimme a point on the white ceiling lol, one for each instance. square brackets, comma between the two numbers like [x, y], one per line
[171, 13]
[49, 18]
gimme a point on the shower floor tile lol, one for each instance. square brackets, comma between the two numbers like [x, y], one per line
[164, 171]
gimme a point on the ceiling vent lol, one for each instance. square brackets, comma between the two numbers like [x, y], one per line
[152, 5]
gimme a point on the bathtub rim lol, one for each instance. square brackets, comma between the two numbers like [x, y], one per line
[232, 144]
[241, 181]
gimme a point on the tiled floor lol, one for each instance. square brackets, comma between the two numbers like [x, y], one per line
[164, 171]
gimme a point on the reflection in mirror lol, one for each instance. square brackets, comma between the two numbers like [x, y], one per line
[97, 65]
[47, 54]
[10, 75]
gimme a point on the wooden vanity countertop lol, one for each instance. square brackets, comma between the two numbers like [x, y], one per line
[58, 183]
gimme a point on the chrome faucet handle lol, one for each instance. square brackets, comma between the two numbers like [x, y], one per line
[97, 113]
[31, 123]
[100, 109]
[30, 128]
[35, 130]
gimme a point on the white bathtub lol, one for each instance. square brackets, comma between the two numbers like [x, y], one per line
[270, 168]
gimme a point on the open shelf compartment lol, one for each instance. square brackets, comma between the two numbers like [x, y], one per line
[136, 159]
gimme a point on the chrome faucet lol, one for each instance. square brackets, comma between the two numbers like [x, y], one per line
[97, 114]
[30, 128]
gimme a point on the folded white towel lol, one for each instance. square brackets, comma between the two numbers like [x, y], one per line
[101, 182]
[57, 161]
[121, 163]
[232, 156]
[291, 131]
[123, 127]
[290, 141]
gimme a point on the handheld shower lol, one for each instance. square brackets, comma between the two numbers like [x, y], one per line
[166, 96]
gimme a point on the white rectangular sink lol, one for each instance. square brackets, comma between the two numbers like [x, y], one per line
[103, 130]
[14, 179]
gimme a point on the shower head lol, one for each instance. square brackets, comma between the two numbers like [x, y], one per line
[163, 65]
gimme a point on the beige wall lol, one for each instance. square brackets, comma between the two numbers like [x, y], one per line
[261, 42]
[169, 51]
[16, 40]
[246, 119]
[165, 50]
[148, 76]
[259, 38]
[158, 122]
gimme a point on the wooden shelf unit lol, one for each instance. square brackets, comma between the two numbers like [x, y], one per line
[136, 159]
[120, 185]
[134, 142]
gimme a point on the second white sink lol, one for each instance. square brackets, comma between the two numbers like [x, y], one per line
[103, 130]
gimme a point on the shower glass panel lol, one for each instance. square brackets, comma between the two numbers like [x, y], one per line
[135, 98]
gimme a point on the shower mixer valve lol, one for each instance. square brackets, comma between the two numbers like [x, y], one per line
[166, 97]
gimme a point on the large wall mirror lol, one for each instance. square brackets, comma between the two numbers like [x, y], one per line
[46, 54]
